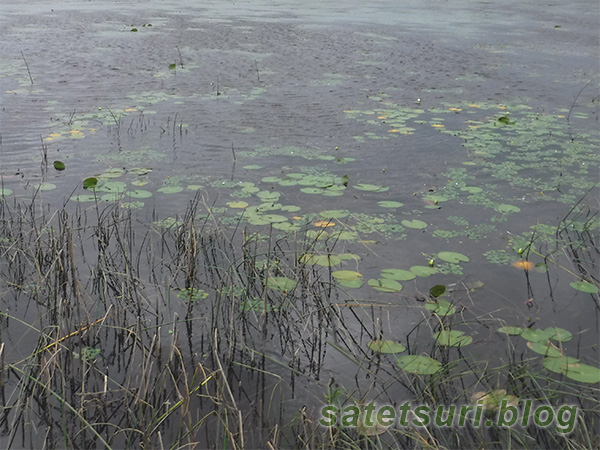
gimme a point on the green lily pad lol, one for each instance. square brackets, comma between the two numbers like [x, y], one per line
[390, 204]
[535, 335]
[348, 257]
[252, 167]
[274, 218]
[114, 172]
[441, 307]
[139, 193]
[170, 189]
[370, 187]
[290, 208]
[352, 284]
[46, 186]
[385, 285]
[90, 183]
[504, 208]
[472, 189]
[84, 198]
[453, 257]
[240, 204]
[453, 338]
[288, 227]
[334, 213]
[417, 224]
[423, 271]
[320, 260]
[311, 190]
[559, 334]
[512, 331]
[546, 349]
[283, 284]
[111, 186]
[381, 346]
[5, 191]
[397, 274]
[437, 290]
[346, 275]
[418, 364]
[573, 369]
[59, 165]
[140, 170]
[584, 286]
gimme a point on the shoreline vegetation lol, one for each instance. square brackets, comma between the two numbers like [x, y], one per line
[125, 335]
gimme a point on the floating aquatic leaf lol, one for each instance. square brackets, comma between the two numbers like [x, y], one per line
[114, 172]
[171, 66]
[320, 260]
[90, 183]
[522, 264]
[240, 204]
[283, 284]
[453, 257]
[437, 290]
[170, 189]
[397, 274]
[573, 369]
[541, 267]
[111, 186]
[334, 213]
[513, 331]
[453, 338]
[423, 271]
[545, 349]
[348, 257]
[381, 346]
[370, 187]
[385, 285]
[352, 284]
[59, 165]
[140, 170]
[324, 224]
[287, 226]
[492, 400]
[274, 218]
[139, 193]
[418, 364]
[5, 191]
[417, 224]
[506, 121]
[584, 286]
[291, 208]
[84, 198]
[559, 334]
[472, 189]
[390, 204]
[46, 186]
[441, 307]
[346, 275]
[535, 335]
[311, 190]
[252, 167]
[505, 208]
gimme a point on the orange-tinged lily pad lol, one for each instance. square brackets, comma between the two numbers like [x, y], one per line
[525, 265]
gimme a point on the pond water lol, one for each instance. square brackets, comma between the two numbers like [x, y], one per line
[386, 133]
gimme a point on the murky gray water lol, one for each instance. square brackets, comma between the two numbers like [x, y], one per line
[479, 117]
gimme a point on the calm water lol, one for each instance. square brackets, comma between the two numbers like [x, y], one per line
[480, 118]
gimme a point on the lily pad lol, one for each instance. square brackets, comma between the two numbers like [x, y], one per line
[417, 224]
[512, 331]
[240, 204]
[390, 204]
[584, 286]
[90, 183]
[59, 165]
[505, 208]
[441, 307]
[84, 198]
[546, 349]
[114, 172]
[418, 364]
[453, 338]
[423, 271]
[370, 187]
[453, 257]
[385, 285]
[320, 260]
[397, 274]
[381, 346]
[139, 193]
[334, 213]
[170, 189]
[46, 186]
[573, 369]
[437, 290]
[283, 284]
[346, 275]
[5, 191]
